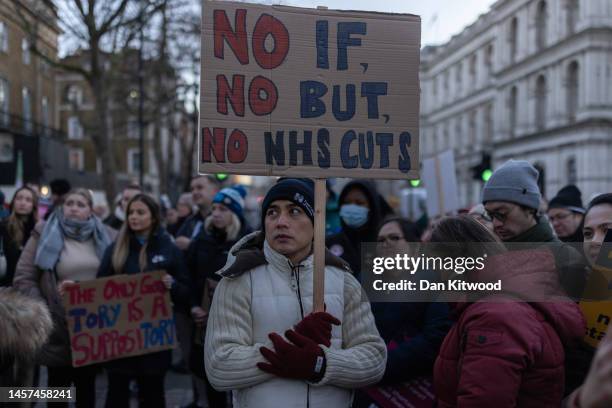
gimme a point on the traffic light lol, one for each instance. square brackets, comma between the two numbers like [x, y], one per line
[221, 176]
[415, 183]
[482, 171]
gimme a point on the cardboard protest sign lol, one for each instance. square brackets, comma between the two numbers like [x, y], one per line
[440, 181]
[597, 298]
[117, 317]
[300, 92]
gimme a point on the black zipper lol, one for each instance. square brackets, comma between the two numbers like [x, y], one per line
[299, 295]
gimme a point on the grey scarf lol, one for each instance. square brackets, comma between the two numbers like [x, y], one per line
[57, 228]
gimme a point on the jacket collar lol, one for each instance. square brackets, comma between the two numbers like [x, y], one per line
[282, 263]
[541, 232]
[250, 252]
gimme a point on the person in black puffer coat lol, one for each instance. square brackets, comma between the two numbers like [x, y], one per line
[362, 209]
[15, 230]
[206, 255]
[143, 246]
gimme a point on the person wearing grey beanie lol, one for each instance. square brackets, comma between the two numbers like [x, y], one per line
[512, 197]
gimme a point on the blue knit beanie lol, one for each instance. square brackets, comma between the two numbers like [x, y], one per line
[516, 181]
[233, 198]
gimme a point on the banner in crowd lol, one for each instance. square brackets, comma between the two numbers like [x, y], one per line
[440, 180]
[319, 93]
[119, 316]
[597, 303]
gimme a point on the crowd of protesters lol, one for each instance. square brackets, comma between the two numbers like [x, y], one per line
[243, 296]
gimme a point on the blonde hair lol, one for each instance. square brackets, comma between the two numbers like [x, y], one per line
[122, 245]
[231, 230]
[83, 192]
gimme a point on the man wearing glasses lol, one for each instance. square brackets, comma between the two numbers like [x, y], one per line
[566, 213]
[511, 198]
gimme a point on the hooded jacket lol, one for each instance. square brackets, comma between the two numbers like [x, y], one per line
[262, 292]
[571, 265]
[347, 243]
[207, 254]
[504, 350]
[25, 324]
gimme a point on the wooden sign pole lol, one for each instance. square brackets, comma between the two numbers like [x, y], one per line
[319, 246]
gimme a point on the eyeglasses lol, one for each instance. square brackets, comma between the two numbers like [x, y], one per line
[391, 238]
[559, 217]
[499, 216]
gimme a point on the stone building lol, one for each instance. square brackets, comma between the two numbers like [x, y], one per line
[530, 79]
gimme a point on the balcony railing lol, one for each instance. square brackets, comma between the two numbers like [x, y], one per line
[19, 125]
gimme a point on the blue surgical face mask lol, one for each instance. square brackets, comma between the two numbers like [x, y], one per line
[353, 215]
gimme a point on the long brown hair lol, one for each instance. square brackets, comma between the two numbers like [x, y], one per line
[470, 237]
[16, 225]
[122, 246]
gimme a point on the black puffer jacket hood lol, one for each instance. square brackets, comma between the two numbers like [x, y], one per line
[379, 209]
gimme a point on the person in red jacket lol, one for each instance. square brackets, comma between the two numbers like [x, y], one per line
[506, 348]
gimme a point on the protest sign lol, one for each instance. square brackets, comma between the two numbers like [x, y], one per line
[119, 316]
[596, 305]
[300, 92]
[440, 182]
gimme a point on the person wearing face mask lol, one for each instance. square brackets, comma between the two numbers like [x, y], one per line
[66, 248]
[15, 230]
[362, 209]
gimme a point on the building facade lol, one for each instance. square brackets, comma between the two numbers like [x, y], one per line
[28, 125]
[531, 80]
[76, 110]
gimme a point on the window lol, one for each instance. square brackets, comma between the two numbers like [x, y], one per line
[76, 159]
[541, 102]
[512, 104]
[513, 39]
[572, 173]
[133, 161]
[4, 102]
[74, 95]
[132, 128]
[459, 78]
[3, 37]
[541, 178]
[572, 91]
[446, 81]
[75, 130]
[541, 26]
[489, 60]
[44, 110]
[458, 137]
[26, 97]
[472, 137]
[25, 51]
[573, 10]
[473, 69]
[446, 143]
[488, 124]
[435, 89]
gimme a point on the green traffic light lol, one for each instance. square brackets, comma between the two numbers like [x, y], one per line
[221, 176]
[415, 183]
[486, 175]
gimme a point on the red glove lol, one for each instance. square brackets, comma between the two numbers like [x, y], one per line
[317, 327]
[302, 360]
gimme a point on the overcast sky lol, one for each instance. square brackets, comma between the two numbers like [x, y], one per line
[441, 19]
